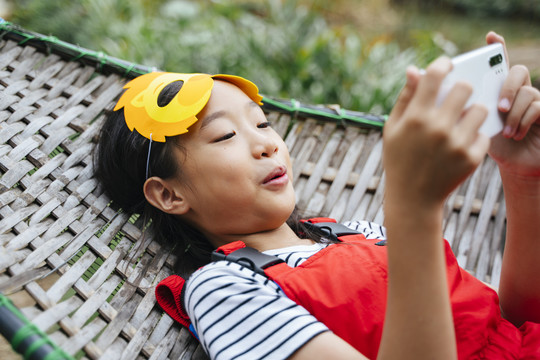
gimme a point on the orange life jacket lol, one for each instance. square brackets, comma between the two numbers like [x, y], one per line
[345, 286]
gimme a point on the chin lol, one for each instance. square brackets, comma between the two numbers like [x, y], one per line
[286, 213]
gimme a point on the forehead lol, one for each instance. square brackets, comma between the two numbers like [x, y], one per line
[224, 92]
[225, 97]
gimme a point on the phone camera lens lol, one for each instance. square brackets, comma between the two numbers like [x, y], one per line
[495, 60]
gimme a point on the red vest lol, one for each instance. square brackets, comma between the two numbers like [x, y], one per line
[344, 286]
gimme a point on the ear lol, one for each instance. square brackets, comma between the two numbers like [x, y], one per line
[165, 195]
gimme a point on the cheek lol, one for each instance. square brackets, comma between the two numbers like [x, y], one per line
[219, 181]
[215, 162]
[225, 171]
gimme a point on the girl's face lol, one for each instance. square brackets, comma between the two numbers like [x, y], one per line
[236, 171]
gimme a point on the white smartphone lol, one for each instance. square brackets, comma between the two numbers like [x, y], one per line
[485, 69]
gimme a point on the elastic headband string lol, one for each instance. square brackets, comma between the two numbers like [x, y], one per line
[148, 157]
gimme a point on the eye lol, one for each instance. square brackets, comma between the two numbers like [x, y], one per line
[264, 125]
[225, 137]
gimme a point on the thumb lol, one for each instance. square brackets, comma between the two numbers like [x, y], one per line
[493, 37]
[406, 94]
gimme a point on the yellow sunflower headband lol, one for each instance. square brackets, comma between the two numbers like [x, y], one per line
[155, 122]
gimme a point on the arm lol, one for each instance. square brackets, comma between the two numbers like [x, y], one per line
[519, 290]
[517, 152]
[428, 151]
[327, 346]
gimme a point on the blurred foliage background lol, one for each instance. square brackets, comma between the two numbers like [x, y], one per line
[353, 53]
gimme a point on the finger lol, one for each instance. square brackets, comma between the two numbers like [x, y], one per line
[406, 94]
[430, 82]
[515, 117]
[476, 143]
[454, 103]
[518, 76]
[493, 37]
[479, 148]
[471, 122]
[532, 115]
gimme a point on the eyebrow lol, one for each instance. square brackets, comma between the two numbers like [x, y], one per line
[209, 118]
[215, 115]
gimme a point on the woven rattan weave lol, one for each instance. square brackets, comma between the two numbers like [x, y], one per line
[55, 221]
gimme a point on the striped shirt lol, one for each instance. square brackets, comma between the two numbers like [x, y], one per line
[239, 314]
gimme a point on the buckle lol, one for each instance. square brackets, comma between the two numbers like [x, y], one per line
[330, 230]
[250, 258]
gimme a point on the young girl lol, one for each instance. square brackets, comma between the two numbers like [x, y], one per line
[205, 165]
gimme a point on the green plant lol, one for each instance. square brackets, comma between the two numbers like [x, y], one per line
[287, 49]
[482, 8]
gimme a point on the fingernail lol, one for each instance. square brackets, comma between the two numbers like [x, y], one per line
[504, 104]
[507, 131]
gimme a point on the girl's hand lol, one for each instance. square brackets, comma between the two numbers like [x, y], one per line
[517, 148]
[428, 149]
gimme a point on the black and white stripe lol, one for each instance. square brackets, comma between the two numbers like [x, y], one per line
[369, 229]
[295, 255]
[239, 314]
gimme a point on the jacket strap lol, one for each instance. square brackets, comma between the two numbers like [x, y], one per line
[329, 229]
[248, 257]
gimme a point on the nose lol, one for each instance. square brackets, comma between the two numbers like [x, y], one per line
[264, 146]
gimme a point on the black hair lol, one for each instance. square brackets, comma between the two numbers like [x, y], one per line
[169, 92]
[120, 161]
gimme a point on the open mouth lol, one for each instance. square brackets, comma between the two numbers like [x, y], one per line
[276, 174]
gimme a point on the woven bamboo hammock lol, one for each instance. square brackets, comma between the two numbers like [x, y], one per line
[56, 223]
